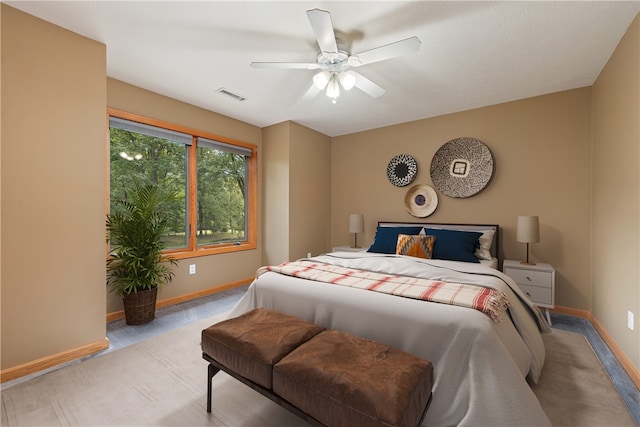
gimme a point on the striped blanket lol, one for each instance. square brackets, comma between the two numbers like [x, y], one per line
[489, 301]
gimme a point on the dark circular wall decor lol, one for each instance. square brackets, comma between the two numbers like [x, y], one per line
[402, 170]
[462, 167]
[421, 200]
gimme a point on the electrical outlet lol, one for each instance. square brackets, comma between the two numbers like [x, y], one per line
[630, 320]
[192, 269]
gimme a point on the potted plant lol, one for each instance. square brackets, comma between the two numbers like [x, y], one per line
[136, 266]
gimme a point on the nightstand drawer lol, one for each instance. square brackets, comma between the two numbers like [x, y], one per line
[541, 296]
[530, 278]
[537, 281]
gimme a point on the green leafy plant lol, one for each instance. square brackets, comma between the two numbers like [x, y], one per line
[135, 229]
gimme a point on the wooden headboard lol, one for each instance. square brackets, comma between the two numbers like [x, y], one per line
[447, 226]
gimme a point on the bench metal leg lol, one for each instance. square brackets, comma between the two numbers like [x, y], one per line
[212, 370]
[215, 367]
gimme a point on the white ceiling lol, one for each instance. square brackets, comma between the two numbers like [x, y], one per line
[473, 54]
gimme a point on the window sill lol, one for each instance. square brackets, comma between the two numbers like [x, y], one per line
[214, 250]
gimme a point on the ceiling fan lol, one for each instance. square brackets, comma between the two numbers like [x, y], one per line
[335, 64]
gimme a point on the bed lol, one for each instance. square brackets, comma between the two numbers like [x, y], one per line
[482, 363]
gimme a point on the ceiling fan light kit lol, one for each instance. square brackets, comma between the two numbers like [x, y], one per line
[329, 80]
[333, 90]
[347, 79]
[321, 79]
[334, 64]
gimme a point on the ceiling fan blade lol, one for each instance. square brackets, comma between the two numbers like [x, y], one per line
[288, 65]
[367, 86]
[320, 21]
[392, 50]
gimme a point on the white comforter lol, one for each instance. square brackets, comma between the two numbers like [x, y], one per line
[479, 366]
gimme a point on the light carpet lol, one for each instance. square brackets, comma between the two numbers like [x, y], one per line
[574, 389]
[162, 382]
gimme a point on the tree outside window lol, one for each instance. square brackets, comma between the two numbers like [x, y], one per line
[209, 177]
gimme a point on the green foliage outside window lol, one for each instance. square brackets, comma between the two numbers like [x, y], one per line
[220, 197]
[220, 190]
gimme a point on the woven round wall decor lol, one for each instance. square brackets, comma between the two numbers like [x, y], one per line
[402, 170]
[421, 200]
[462, 167]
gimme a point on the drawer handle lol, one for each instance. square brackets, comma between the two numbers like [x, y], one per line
[528, 294]
[528, 278]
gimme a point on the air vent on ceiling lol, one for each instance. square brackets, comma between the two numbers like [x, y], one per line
[231, 94]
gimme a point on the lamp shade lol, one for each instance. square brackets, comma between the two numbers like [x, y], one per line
[333, 88]
[321, 79]
[347, 79]
[528, 229]
[356, 223]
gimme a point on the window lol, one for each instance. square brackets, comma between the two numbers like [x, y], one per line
[213, 181]
[221, 195]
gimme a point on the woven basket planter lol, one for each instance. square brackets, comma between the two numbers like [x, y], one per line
[140, 307]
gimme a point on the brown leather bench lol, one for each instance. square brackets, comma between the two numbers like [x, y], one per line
[326, 377]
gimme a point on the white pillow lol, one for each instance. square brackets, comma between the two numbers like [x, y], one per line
[484, 251]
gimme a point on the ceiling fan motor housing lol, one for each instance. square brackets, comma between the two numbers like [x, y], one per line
[333, 62]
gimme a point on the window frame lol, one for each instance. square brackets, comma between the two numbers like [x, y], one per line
[193, 250]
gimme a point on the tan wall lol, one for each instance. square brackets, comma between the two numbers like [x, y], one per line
[215, 270]
[541, 150]
[275, 172]
[616, 194]
[310, 196]
[297, 175]
[53, 189]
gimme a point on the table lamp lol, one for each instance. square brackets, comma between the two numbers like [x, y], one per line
[528, 231]
[356, 225]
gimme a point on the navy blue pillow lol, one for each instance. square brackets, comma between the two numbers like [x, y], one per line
[454, 245]
[387, 238]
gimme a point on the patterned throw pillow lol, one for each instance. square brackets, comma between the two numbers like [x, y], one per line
[420, 246]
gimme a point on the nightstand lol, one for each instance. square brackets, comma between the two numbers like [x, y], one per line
[537, 281]
[348, 249]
